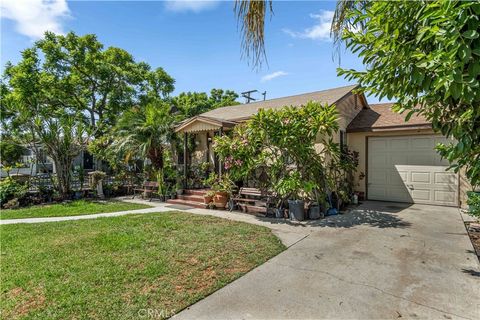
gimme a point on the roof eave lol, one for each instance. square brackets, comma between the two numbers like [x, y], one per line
[391, 128]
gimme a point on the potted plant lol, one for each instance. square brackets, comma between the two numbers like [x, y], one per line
[208, 197]
[291, 187]
[222, 187]
[316, 207]
[179, 188]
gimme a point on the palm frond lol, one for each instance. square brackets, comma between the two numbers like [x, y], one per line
[343, 20]
[251, 16]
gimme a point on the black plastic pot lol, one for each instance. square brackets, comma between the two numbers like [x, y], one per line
[295, 210]
[279, 213]
[315, 212]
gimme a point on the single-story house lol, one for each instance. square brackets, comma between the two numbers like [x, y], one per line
[397, 160]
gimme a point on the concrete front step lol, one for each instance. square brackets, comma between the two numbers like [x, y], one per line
[197, 192]
[191, 197]
[189, 203]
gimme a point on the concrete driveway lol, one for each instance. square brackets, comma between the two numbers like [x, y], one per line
[380, 261]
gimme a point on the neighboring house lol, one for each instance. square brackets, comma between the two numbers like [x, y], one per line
[34, 164]
[396, 158]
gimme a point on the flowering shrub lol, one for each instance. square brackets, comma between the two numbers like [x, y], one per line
[276, 146]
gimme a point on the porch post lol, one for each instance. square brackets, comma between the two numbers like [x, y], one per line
[185, 183]
[220, 131]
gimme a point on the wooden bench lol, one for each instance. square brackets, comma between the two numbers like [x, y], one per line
[148, 188]
[252, 200]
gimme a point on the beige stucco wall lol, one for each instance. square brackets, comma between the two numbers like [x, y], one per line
[357, 141]
[347, 108]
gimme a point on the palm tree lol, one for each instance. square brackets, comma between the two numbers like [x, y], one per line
[145, 132]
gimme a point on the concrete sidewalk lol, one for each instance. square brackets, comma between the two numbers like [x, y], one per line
[382, 261]
[287, 231]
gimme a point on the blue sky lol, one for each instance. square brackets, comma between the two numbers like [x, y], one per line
[196, 42]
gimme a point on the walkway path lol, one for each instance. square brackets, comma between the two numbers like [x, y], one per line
[287, 231]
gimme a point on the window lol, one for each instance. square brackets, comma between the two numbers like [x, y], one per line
[343, 140]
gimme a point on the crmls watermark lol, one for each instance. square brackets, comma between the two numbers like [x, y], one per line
[155, 313]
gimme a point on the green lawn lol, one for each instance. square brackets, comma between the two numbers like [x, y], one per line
[118, 267]
[74, 208]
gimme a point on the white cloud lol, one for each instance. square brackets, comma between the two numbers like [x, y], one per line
[190, 5]
[319, 31]
[273, 75]
[34, 17]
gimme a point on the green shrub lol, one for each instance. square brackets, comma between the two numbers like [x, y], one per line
[10, 189]
[474, 204]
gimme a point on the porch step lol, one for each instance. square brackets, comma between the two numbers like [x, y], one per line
[190, 197]
[196, 192]
[189, 203]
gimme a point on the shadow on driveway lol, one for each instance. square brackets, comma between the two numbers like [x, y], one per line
[383, 218]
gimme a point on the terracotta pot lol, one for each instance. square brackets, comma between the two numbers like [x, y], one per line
[207, 199]
[220, 199]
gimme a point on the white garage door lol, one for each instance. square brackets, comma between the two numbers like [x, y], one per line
[408, 169]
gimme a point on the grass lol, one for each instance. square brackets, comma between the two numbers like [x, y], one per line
[121, 267]
[74, 208]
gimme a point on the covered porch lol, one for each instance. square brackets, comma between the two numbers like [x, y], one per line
[203, 129]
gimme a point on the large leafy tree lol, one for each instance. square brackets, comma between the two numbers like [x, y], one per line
[68, 90]
[425, 55]
[10, 151]
[100, 82]
[190, 104]
[31, 115]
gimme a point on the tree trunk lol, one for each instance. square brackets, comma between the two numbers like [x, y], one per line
[63, 178]
[63, 165]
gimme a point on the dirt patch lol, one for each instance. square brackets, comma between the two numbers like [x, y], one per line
[26, 301]
[473, 229]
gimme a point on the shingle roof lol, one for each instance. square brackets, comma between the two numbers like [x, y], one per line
[380, 116]
[245, 111]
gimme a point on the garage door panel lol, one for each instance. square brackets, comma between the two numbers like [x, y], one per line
[444, 178]
[398, 158]
[397, 177]
[377, 193]
[421, 195]
[445, 196]
[420, 143]
[378, 144]
[398, 194]
[380, 178]
[421, 158]
[408, 169]
[399, 144]
[380, 161]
